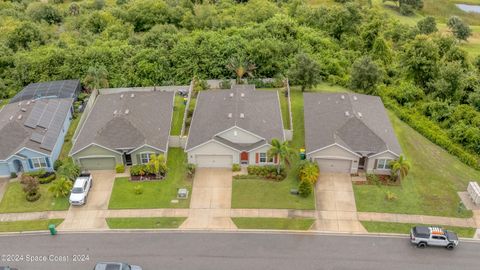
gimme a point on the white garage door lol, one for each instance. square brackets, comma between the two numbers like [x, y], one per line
[214, 161]
[334, 165]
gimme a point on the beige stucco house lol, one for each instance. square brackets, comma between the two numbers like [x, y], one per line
[348, 133]
[234, 126]
[124, 128]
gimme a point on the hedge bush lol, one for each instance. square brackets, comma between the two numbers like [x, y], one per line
[432, 132]
[48, 178]
[236, 167]
[268, 172]
[120, 168]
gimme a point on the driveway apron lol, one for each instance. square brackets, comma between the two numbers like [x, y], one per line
[211, 200]
[92, 214]
[336, 207]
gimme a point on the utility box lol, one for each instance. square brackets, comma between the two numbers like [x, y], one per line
[52, 229]
[182, 193]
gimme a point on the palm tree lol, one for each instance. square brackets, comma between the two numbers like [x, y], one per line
[282, 151]
[69, 169]
[97, 77]
[400, 167]
[158, 164]
[61, 187]
[241, 66]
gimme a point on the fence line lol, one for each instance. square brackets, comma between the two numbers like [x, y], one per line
[190, 92]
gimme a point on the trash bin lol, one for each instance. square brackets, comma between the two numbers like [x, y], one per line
[52, 229]
[185, 101]
[302, 154]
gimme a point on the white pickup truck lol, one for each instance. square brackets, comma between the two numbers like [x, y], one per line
[81, 187]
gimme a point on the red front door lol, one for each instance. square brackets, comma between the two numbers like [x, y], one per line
[244, 157]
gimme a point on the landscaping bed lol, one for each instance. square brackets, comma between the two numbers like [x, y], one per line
[145, 223]
[404, 228]
[28, 225]
[273, 223]
[128, 194]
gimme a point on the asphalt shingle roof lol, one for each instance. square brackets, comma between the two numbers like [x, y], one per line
[260, 109]
[355, 121]
[120, 121]
[32, 124]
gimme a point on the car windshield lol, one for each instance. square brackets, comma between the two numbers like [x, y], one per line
[77, 190]
[451, 236]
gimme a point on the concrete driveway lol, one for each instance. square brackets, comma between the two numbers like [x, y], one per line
[336, 204]
[90, 215]
[211, 200]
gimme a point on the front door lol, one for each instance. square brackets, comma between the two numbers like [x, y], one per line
[18, 166]
[244, 158]
[361, 163]
[128, 159]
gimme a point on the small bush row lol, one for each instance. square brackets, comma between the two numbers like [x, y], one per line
[433, 132]
[236, 167]
[268, 172]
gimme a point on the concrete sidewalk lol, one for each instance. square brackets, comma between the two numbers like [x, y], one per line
[421, 219]
[33, 216]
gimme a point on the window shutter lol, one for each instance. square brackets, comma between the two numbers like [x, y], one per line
[375, 165]
[30, 164]
[47, 160]
[257, 157]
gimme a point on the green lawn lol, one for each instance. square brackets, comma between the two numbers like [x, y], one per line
[191, 106]
[178, 112]
[431, 186]
[145, 223]
[404, 228]
[14, 200]
[274, 223]
[28, 225]
[156, 194]
[4, 102]
[67, 144]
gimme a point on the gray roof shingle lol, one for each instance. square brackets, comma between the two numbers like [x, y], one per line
[355, 121]
[120, 121]
[260, 109]
[32, 124]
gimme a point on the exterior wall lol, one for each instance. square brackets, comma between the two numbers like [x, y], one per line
[30, 154]
[213, 148]
[240, 137]
[253, 154]
[135, 155]
[370, 163]
[96, 151]
[336, 152]
[4, 170]
[61, 137]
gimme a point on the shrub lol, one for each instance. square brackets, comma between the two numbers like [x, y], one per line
[69, 170]
[61, 187]
[138, 170]
[47, 179]
[373, 179]
[30, 187]
[244, 176]
[138, 190]
[191, 170]
[305, 189]
[33, 197]
[236, 168]
[406, 10]
[37, 173]
[309, 172]
[57, 164]
[390, 196]
[225, 84]
[268, 172]
[120, 168]
[13, 175]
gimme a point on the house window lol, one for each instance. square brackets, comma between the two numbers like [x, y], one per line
[145, 157]
[383, 164]
[39, 163]
[263, 157]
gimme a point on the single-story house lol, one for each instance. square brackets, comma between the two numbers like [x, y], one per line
[124, 128]
[346, 132]
[33, 126]
[234, 126]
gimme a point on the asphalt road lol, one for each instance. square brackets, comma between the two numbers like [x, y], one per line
[245, 251]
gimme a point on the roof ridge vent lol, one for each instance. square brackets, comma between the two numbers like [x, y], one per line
[229, 115]
[242, 94]
[360, 114]
[121, 96]
[242, 115]
[132, 95]
[127, 111]
[23, 109]
[355, 97]
[28, 102]
[231, 95]
[347, 113]
[342, 96]
[115, 112]
[11, 118]
[19, 117]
